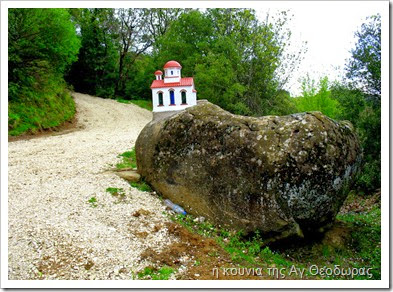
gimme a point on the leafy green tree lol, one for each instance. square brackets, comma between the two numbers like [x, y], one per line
[234, 57]
[364, 68]
[96, 68]
[42, 44]
[159, 20]
[360, 100]
[134, 40]
[186, 40]
[139, 78]
[366, 117]
[317, 98]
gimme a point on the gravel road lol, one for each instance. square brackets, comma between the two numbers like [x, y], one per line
[53, 231]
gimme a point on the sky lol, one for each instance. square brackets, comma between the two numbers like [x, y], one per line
[328, 28]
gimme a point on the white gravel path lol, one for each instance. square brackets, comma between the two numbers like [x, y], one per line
[53, 231]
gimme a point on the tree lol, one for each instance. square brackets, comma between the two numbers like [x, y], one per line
[96, 68]
[364, 67]
[115, 42]
[360, 99]
[159, 20]
[186, 40]
[41, 41]
[317, 98]
[134, 39]
[140, 65]
[42, 44]
[366, 117]
[234, 57]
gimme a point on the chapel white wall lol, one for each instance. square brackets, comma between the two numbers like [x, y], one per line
[191, 98]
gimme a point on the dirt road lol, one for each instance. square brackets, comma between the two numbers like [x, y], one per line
[54, 232]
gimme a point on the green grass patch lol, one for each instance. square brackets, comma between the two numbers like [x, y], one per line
[146, 104]
[141, 185]
[128, 160]
[359, 247]
[93, 202]
[244, 251]
[116, 192]
[161, 274]
[366, 236]
[36, 108]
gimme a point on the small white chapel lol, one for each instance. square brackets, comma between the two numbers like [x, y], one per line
[172, 92]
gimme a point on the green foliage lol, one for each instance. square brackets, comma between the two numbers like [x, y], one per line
[366, 236]
[96, 68]
[317, 98]
[41, 45]
[113, 60]
[146, 104]
[364, 68]
[39, 40]
[139, 78]
[360, 100]
[93, 202]
[250, 250]
[364, 73]
[129, 159]
[40, 109]
[363, 249]
[151, 273]
[142, 186]
[234, 57]
[116, 191]
[238, 62]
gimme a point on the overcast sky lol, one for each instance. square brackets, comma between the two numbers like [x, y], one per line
[328, 27]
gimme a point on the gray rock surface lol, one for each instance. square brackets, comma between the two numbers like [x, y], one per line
[282, 175]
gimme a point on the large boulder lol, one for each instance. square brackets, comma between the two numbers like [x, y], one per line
[281, 175]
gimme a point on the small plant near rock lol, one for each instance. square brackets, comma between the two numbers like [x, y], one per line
[141, 185]
[93, 202]
[151, 273]
[128, 160]
[242, 250]
[116, 192]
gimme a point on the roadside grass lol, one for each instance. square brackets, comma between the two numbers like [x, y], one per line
[116, 192]
[146, 104]
[36, 109]
[243, 250]
[128, 160]
[141, 185]
[366, 236]
[156, 274]
[354, 242]
[93, 202]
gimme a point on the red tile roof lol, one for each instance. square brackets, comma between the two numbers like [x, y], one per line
[158, 72]
[185, 81]
[172, 64]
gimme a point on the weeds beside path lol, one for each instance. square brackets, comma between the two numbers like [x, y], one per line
[70, 218]
[63, 223]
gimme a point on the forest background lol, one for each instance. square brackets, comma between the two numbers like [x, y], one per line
[238, 62]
